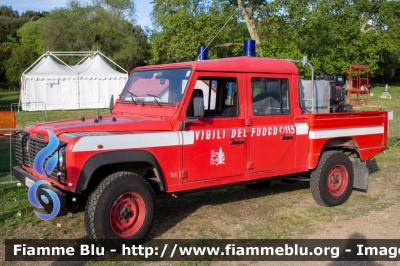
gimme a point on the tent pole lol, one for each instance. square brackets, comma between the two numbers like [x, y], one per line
[34, 63]
[79, 93]
[113, 62]
[63, 62]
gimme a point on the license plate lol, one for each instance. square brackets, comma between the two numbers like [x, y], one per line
[29, 182]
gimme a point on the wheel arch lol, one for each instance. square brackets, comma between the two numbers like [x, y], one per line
[347, 145]
[140, 162]
[346, 142]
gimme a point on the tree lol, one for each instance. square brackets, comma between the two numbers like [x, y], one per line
[21, 58]
[248, 10]
[7, 11]
[332, 33]
[388, 24]
[24, 52]
[121, 9]
[34, 15]
[10, 22]
[84, 28]
[30, 35]
[183, 25]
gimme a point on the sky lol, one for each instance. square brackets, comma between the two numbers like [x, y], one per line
[143, 8]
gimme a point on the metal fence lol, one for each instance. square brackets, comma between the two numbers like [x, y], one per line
[7, 154]
[18, 106]
[22, 116]
[394, 125]
[374, 99]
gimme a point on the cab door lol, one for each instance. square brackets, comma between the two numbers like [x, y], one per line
[271, 132]
[215, 146]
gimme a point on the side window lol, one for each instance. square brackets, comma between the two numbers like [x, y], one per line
[219, 96]
[270, 96]
[209, 89]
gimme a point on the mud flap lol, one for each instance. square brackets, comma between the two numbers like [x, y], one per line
[361, 175]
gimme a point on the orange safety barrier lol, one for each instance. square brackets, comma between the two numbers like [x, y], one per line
[7, 121]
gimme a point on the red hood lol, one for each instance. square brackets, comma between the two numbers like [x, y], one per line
[122, 123]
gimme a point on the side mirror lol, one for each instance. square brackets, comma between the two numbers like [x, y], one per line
[112, 103]
[198, 107]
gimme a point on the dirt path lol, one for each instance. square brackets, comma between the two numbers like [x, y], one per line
[384, 224]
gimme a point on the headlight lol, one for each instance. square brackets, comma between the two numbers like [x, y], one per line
[62, 166]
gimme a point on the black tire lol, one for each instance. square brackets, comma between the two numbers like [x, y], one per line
[120, 208]
[258, 185]
[332, 180]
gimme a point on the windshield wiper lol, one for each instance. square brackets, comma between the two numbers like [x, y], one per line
[133, 95]
[133, 100]
[155, 98]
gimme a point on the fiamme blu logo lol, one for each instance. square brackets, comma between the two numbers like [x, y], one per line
[44, 164]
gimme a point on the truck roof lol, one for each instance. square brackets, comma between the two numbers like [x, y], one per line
[234, 64]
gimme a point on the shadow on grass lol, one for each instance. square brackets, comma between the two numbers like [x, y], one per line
[372, 166]
[171, 211]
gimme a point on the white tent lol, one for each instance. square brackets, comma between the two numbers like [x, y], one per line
[99, 81]
[48, 85]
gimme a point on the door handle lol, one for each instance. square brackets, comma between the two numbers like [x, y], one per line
[286, 137]
[234, 142]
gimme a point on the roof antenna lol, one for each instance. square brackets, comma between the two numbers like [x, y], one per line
[205, 49]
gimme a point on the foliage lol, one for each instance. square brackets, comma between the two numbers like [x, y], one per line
[183, 25]
[334, 34]
[83, 28]
[21, 57]
[10, 21]
[11, 65]
[120, 9]
[25, 52]
[103, 26]
[34, 15]
[331, 33]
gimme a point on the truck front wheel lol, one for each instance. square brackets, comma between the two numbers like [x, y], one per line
[332, 180]
[121, 207]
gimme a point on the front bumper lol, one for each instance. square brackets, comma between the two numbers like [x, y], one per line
[22, 176]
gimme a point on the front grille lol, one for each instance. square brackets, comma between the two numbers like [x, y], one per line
[32, 148]
[18, 148]
[26, 149]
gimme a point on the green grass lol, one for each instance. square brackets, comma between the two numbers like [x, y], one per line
[375, 102]
[16, 209]
[7, 98]
[5, 154]
[30, 118]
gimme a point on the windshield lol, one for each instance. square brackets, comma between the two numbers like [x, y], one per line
[156, 86]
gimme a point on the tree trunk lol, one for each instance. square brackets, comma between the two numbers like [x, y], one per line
[250, 20]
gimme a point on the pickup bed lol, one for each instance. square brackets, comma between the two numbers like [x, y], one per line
[188, 126]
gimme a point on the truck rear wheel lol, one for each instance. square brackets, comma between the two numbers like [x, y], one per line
[121, 207]
[332, 180]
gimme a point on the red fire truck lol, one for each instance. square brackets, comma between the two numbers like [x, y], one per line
[188, 126]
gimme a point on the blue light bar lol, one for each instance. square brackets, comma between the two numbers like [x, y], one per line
[249, 48]
[202, 53]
